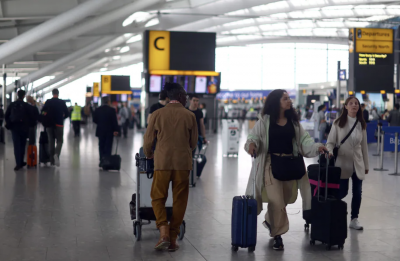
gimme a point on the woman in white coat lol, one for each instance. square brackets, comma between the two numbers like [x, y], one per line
[278, 133]
[353, 154]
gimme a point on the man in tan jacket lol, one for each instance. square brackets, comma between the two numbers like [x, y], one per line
[175, 129]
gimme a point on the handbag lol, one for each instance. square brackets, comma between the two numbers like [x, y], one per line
[336, 149]
[287, 167]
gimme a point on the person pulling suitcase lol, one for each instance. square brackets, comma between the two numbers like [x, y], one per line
[353, 156]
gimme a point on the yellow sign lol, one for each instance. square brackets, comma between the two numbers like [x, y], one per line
[374, 47]
[396, 91]
[159, 50]
[96, 89]
[189, 73]
[105, 83]
[383, 91]
[362, 92]
[374, 34]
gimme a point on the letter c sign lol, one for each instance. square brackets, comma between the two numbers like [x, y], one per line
[155, 43]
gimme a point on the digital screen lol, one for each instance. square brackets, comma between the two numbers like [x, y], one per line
[124, 97]
[155, 83]
[201, 84]
[95, 99]
[373, 59]
[120, 83]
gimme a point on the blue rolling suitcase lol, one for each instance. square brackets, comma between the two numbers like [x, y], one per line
[244, 220]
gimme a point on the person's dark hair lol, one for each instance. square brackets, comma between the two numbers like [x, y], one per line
[173, 90]
[163, 95]
[204, 105]
[363, 105]
[21, 94]
[104, 100]
[342, 120]
[191, 96]
[321, 107]
[55, 92]
[397, 106]
[272, 107]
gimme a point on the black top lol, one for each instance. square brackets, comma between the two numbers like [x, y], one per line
[58, 109]
[366, 115]
[199, 115]
[155, 107]
[281, 138]
[106, 119]
[28, 114]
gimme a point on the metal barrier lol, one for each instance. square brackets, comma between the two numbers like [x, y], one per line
[396, 145]
[378, 143]
[381, 153]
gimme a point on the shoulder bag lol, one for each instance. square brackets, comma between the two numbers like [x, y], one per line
[337, 147]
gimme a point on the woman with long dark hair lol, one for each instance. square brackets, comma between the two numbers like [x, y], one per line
[278, 142]
[352, 157]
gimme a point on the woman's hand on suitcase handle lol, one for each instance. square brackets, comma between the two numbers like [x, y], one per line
[323, 150]
[252, 150]
[366, 171]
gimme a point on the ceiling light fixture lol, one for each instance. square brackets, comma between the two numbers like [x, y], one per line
[152, 22]
[125, 49]
[135, 38]
[117, 57]
[106, 50]
[103, 69]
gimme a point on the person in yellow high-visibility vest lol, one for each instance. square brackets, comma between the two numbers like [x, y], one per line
[76, 117]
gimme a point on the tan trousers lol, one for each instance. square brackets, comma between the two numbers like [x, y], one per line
[279, 194]
[159, 195]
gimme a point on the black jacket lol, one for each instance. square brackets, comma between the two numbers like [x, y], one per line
[29, 120]
[59, 110]
[106, 119]
[366, 115]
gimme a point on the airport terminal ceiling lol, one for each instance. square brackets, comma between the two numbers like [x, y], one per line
[68, 39]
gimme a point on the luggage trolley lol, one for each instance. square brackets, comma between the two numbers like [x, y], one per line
[140, 206]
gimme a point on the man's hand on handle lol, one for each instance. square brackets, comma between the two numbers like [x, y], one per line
[322, 149]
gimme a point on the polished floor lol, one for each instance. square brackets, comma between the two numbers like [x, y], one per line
[78, 212]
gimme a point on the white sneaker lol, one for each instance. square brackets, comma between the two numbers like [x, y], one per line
[355, 224]
[56, 161]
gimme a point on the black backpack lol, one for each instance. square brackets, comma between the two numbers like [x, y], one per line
[47, 119]
[18, 113]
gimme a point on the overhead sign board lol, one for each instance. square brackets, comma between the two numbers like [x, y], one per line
[96, 89]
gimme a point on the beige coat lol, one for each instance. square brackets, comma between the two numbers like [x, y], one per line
[303, 143]
[353, 152]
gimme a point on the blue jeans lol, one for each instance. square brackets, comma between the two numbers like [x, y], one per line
[357, 191]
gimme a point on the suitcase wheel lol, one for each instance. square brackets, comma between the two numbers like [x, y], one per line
[312, 242]
[182, 230]
[235, 248]
[137, 231]
[252, 249]
[306, 227]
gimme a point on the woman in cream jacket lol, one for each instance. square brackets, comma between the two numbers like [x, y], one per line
[278, 131]
[353, 154]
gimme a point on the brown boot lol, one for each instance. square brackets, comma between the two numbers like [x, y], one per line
[164, 241]
[173, 246]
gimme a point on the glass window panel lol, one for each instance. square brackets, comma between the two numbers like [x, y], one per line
[311, 65]
[333, 57]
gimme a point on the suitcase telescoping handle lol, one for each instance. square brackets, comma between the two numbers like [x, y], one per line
[254, 174]
[116, 148]
[326, 175]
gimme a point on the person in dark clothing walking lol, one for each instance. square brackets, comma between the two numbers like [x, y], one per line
[107, 127]
[365, 112]
[1, 115]
[19, 117]
[59, 112]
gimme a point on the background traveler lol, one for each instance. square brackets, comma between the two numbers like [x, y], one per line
[175, 129]
[394, 116]
[353, 154]
[58, 112]
[322, 122]
[375, 115]
[19, 117]
[1, 115]
[124, 119]
[203, 109]
[279, 132]
[76, 117]
[163, 100]
[364, 112]
[194, 107]
[107, 127]
[33, 128]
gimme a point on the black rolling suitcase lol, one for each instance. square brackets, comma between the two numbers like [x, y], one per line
[329, 218]
[112, 162]
[44, 155]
